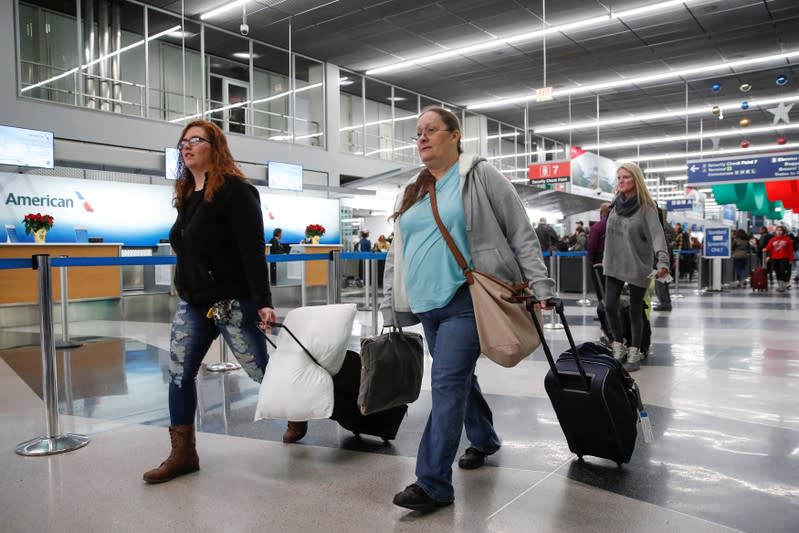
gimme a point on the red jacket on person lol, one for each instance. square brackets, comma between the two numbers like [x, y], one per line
[780, 247]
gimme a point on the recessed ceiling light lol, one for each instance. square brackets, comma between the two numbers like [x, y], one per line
[245, 55]
[396, 98]
[345, 81]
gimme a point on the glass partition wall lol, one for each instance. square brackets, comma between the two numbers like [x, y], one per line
[128, 58]
[124, 57]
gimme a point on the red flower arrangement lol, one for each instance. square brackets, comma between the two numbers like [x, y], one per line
[312, 230]
[35, 222]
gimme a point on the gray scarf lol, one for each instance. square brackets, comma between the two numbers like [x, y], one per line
[625, 207]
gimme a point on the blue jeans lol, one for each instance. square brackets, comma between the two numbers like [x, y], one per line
[451, 334]
[192, 335]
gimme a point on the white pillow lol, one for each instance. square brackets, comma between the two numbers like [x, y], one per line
[294, 388]
[324, 329]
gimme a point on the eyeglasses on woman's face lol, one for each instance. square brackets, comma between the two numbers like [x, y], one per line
[192, 141]
[427, 132]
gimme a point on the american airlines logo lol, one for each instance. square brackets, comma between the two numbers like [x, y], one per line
[47, 201]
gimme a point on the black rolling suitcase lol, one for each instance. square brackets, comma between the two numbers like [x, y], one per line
[595, 399]
[346, 385]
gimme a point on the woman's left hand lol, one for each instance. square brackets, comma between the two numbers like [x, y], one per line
[662, 273]
[267, 316]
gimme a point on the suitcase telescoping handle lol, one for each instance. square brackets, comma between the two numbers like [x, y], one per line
[547, 351]
[287, 330]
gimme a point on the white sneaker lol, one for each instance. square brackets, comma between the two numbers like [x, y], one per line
[619, 351]
[633, 359]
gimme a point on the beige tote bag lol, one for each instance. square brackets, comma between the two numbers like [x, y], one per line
[504, 325]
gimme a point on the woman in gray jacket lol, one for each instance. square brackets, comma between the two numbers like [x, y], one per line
[423, 282]
[634, 238]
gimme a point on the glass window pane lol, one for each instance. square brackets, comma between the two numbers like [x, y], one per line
[405, 116]
[228, 63]
[309, 122]
[492, 139]
[174, 55]
[270, 93]
[470, 139]
[350, 113]
[379, 132]
[49, 52]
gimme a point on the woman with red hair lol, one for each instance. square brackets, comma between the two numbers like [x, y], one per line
[221, 278]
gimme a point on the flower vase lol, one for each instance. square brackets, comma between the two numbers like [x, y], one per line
[315, 239]
[39, 235]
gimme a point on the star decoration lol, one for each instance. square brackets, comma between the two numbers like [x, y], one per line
[781, 113]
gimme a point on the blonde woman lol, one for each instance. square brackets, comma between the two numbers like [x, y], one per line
[634, 238]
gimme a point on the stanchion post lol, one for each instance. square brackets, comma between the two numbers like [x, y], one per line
[52, 443]
[65, 342]
[554, 322]
[676, 294]
[584, 265]
[303, 288]
[700, 267]
[223, 365]
[366, 281]
[334, 277]
[373, 276]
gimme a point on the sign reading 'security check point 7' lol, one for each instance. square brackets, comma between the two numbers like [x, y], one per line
[762, 167]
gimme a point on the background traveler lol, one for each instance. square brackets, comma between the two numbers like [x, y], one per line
[780, 255]
[274, 248]
[740, 257]
[662, 288]
[634, 238]
[547, 236]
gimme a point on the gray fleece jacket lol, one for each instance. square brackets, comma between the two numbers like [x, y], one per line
[632, 244]
[497, 227]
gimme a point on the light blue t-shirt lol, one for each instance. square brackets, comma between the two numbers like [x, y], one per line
[432, 276]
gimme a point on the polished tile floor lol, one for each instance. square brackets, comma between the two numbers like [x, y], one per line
[722, 388]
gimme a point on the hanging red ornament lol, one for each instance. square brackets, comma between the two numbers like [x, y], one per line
[781, 140]
[744, 144]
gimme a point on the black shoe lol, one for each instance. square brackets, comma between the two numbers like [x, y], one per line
[416, 499]
[659, 307]
[472, 458]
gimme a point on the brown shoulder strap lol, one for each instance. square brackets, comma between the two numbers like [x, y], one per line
[431, 190]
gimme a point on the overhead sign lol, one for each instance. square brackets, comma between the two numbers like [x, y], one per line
[680, 204]
[744, 169]
[544, 94]
[717, 242]
[592, 171]
[548, 173]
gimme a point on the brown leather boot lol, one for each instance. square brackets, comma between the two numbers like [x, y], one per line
[182, 460]
[295, 431]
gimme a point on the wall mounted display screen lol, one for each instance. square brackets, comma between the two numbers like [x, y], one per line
[171, 158]
[284, 176]
[26, 148]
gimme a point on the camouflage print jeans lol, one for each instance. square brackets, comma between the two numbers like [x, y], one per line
[192, 334]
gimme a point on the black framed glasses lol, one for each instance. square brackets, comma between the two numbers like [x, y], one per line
[427, 132]
[193, 141]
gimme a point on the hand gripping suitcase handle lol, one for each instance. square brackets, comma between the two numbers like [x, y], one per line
[558, 303]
